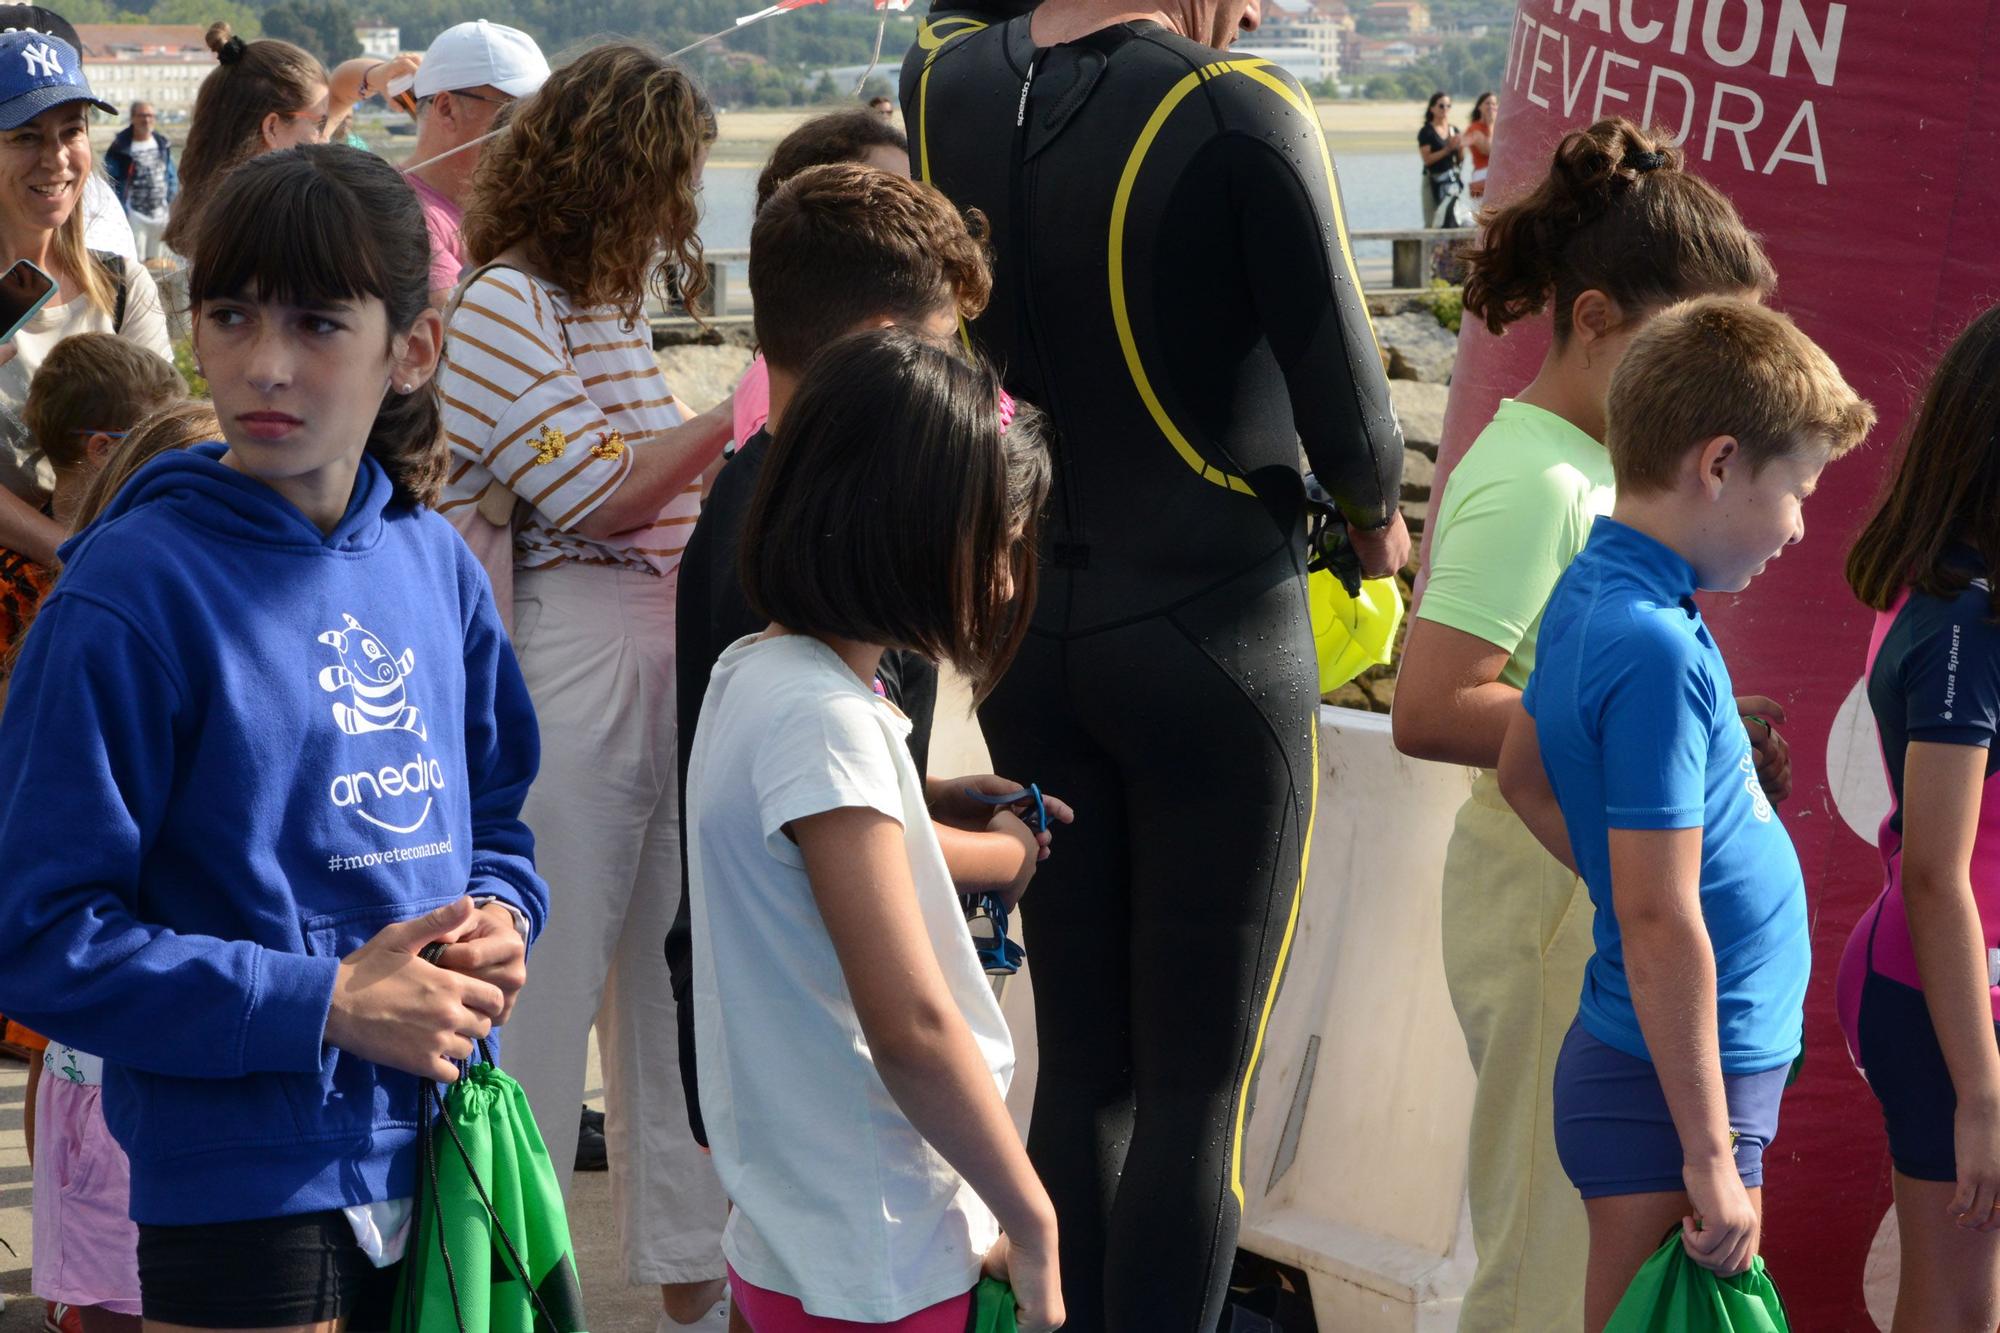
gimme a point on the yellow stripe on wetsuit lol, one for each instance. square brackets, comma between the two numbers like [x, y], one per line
[1277, 974]
[1260, 71]
[933, 38]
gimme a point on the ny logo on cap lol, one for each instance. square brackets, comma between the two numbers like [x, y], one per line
[42, 60]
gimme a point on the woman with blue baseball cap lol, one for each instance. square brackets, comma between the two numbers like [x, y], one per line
[45, 163]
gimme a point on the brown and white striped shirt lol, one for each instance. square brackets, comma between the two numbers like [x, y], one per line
[556, 430]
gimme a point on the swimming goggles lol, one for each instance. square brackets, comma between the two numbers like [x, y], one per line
[986, 914]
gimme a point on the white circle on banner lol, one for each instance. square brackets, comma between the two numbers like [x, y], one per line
[1854, 772]
[1882, 1274]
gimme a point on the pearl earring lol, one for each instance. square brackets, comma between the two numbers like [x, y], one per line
[409, 388]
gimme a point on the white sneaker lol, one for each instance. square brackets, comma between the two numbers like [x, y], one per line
[715, 1321]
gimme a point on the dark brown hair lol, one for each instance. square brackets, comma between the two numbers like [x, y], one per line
[92, 382]
[893, 504]
[1945, 489]
[250, 81]
[325, 223]
[1618, 213]
[1723, 365]
[840, 244]
[838, 136]
[596, 175]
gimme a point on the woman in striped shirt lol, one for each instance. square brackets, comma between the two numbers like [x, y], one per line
[562, 427]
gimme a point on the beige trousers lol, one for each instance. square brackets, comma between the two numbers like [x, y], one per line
[1516, 938]
[597, 647]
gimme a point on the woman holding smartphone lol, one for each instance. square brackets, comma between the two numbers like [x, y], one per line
[52, 284]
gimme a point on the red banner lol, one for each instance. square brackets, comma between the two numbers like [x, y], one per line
[1859, 142]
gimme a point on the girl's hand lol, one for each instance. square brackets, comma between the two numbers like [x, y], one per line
[1761, 718]
[1032, 1272]
[491, 950]
[393, 1008]
[1033, 849]
[952, 802]
[1722, 1233]
[1976, 1136]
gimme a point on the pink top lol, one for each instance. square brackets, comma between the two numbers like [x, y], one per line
[442, 219]
[753, 401]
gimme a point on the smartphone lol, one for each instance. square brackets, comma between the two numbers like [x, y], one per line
[24, 289]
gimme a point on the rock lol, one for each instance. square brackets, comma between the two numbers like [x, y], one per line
[1419, 348]
[1351, 695]
[1418, 474]
[1420, 410]
[702, 376]
[1414, 512]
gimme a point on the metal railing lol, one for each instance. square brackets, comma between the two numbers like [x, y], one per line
[1409, 251]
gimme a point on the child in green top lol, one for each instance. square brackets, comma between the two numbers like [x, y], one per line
[1616, 232]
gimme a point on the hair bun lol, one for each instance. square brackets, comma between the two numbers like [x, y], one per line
[228, 48]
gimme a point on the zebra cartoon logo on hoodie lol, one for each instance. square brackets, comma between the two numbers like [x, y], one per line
[371, 680]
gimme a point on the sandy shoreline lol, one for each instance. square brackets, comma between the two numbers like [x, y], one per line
[1351, 127]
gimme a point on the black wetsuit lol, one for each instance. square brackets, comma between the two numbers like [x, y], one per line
[1172, 286]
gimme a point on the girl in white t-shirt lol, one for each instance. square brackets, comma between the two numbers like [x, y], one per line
[853, 1057]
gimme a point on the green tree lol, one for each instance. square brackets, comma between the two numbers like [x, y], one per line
[244, 21]
[1382, 88]
[323, 27]
[96, 11]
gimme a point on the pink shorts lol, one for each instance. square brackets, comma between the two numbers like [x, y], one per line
[772, 1312]
[86, 1247]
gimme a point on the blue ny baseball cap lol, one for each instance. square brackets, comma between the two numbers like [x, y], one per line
[39, 71]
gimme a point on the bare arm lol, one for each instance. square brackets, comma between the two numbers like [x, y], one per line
[28, 530]
[665, 466]
[1941, 797]
[1525, 783]
[1656, 896]
[1450, 705]
[921, 1046]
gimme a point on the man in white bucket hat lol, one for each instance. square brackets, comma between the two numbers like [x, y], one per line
[471, 73]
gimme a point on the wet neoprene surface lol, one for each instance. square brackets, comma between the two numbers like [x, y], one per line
[1172, 287]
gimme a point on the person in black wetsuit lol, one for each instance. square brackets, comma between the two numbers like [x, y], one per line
[1173, 287]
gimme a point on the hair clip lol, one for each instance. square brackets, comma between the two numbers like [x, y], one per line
[1643, 160]
[232, 51]
[1006, 410]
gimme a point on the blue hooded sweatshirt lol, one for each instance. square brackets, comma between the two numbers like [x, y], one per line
[234, 749]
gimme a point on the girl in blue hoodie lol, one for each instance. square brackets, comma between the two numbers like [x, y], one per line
[265, 743]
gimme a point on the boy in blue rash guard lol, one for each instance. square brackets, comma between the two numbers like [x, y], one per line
[267, 742]
[1631, 765]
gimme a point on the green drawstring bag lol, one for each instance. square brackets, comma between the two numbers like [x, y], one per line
[992, 1308]
[489, 1248]
[1674, 1294]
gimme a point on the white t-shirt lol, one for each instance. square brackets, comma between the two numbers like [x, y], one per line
[840, 1202]
[105, 226]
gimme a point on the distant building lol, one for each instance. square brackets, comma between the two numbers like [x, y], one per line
[163, 64]
[1389, 18]
[379, 41]
[1303, 37]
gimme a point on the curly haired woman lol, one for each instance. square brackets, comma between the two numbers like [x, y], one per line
[562, 429]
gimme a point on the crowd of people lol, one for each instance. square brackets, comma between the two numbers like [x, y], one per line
[436, 679]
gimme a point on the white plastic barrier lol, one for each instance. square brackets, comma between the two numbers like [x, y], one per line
[1354, 1165]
